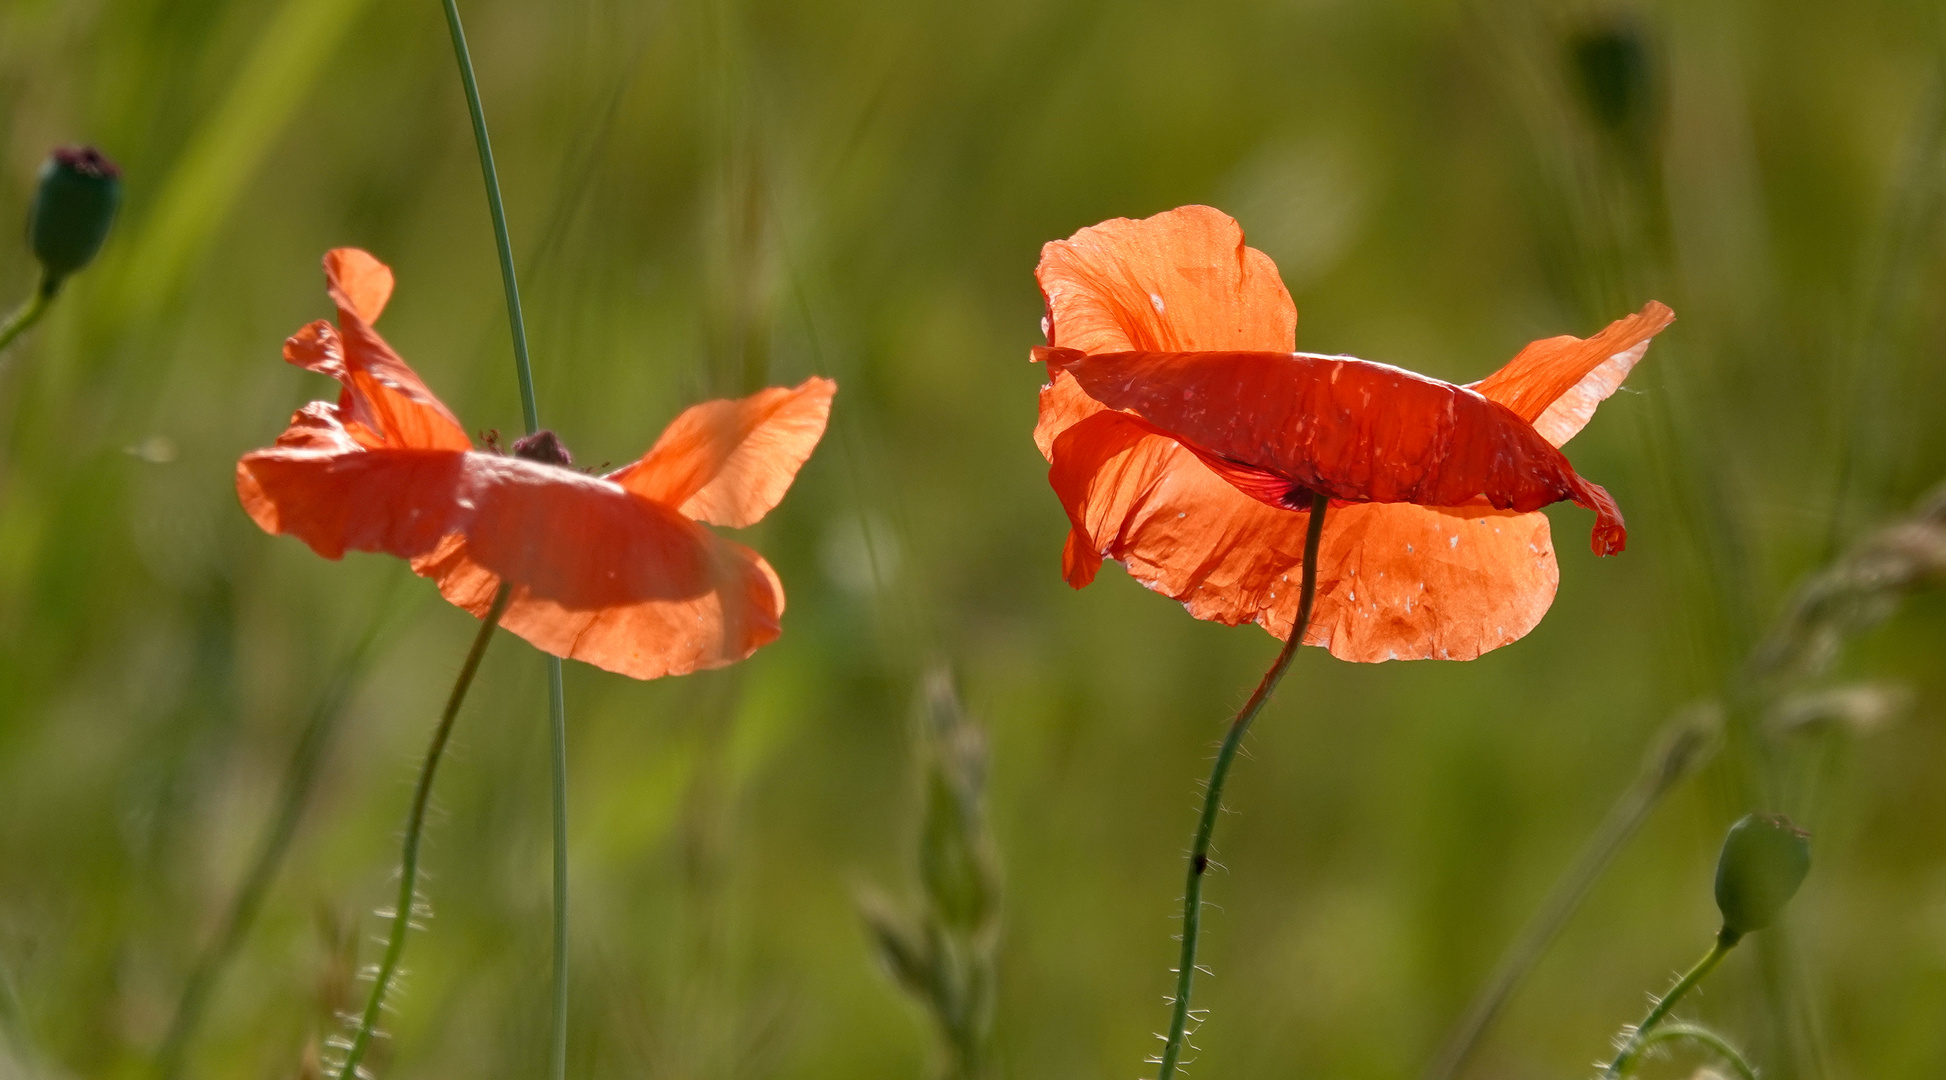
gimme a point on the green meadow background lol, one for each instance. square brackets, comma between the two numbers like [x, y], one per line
[707, 196]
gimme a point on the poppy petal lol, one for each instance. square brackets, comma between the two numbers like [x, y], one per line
[1396, 581]
[730, 462]
[357, 282]
[337, 500]
[1555, 383]
[1344, 427]
[1181, 280]
[570, 538]
[382, 393]
[644, 639]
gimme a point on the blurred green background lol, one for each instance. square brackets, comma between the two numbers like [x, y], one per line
[709, 195]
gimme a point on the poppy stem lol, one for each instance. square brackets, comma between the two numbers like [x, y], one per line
[1192, 905]
[1625, 1061]
[24, 316]
[414, 828]
[531, 416]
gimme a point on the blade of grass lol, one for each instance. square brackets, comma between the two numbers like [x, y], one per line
[530, 414]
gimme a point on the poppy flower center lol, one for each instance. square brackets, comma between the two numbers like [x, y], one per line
[545, 447]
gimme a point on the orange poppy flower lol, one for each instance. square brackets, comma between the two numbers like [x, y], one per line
[1183, 431]
[613, 570]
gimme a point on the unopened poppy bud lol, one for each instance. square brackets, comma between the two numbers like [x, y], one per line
[1614, 69]
[73, 207]
[1764, 860]
[543, 446]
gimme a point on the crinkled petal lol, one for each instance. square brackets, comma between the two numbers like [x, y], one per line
[1555, 383]
[730, 462]
[603, 575]
[1347, 428]
[382, 393]
[357, 282]
[1178, 281]
[645, 639]
[1396, 581]
[567, 537]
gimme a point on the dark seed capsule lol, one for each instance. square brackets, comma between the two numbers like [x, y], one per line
[543, 446]
[73, 208]
[1765, 858]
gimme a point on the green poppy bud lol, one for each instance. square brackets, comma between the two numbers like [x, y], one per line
[1764, 860]
[1612, 66]
[73, 207]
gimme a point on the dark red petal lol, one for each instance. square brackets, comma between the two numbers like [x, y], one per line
[1348, 428]
[1396, 581]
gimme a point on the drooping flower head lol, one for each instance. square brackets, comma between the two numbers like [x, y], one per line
[1185, 436]
[614, 570]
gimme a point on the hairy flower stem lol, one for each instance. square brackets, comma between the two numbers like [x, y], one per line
[1192, 905]
[414, 828]
[1698, 1033]
[530, 414]
[24, 316]
[1726, 940]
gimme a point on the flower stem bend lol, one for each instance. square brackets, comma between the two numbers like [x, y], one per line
[1192, 909]
[1625, 1061]
[530, 415]
[24, 316]
[414, 828]
[1698, 1033]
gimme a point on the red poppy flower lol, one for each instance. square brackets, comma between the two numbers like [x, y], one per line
[1183, 432]
[613, 570]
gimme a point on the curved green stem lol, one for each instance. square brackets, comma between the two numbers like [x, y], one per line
[1697, 1032]
[1726, 940]
[25, 316]
[530, 415]
[414, 829]
[1192, 909]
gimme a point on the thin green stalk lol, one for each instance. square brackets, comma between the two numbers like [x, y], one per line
[530, 411]
[557, 1049]
[1725, 941]
[1192, 909]
[300, 777]
[530, 414]
[414, 829]
[1698, 1033]
[24, 316]
[1683, 744]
